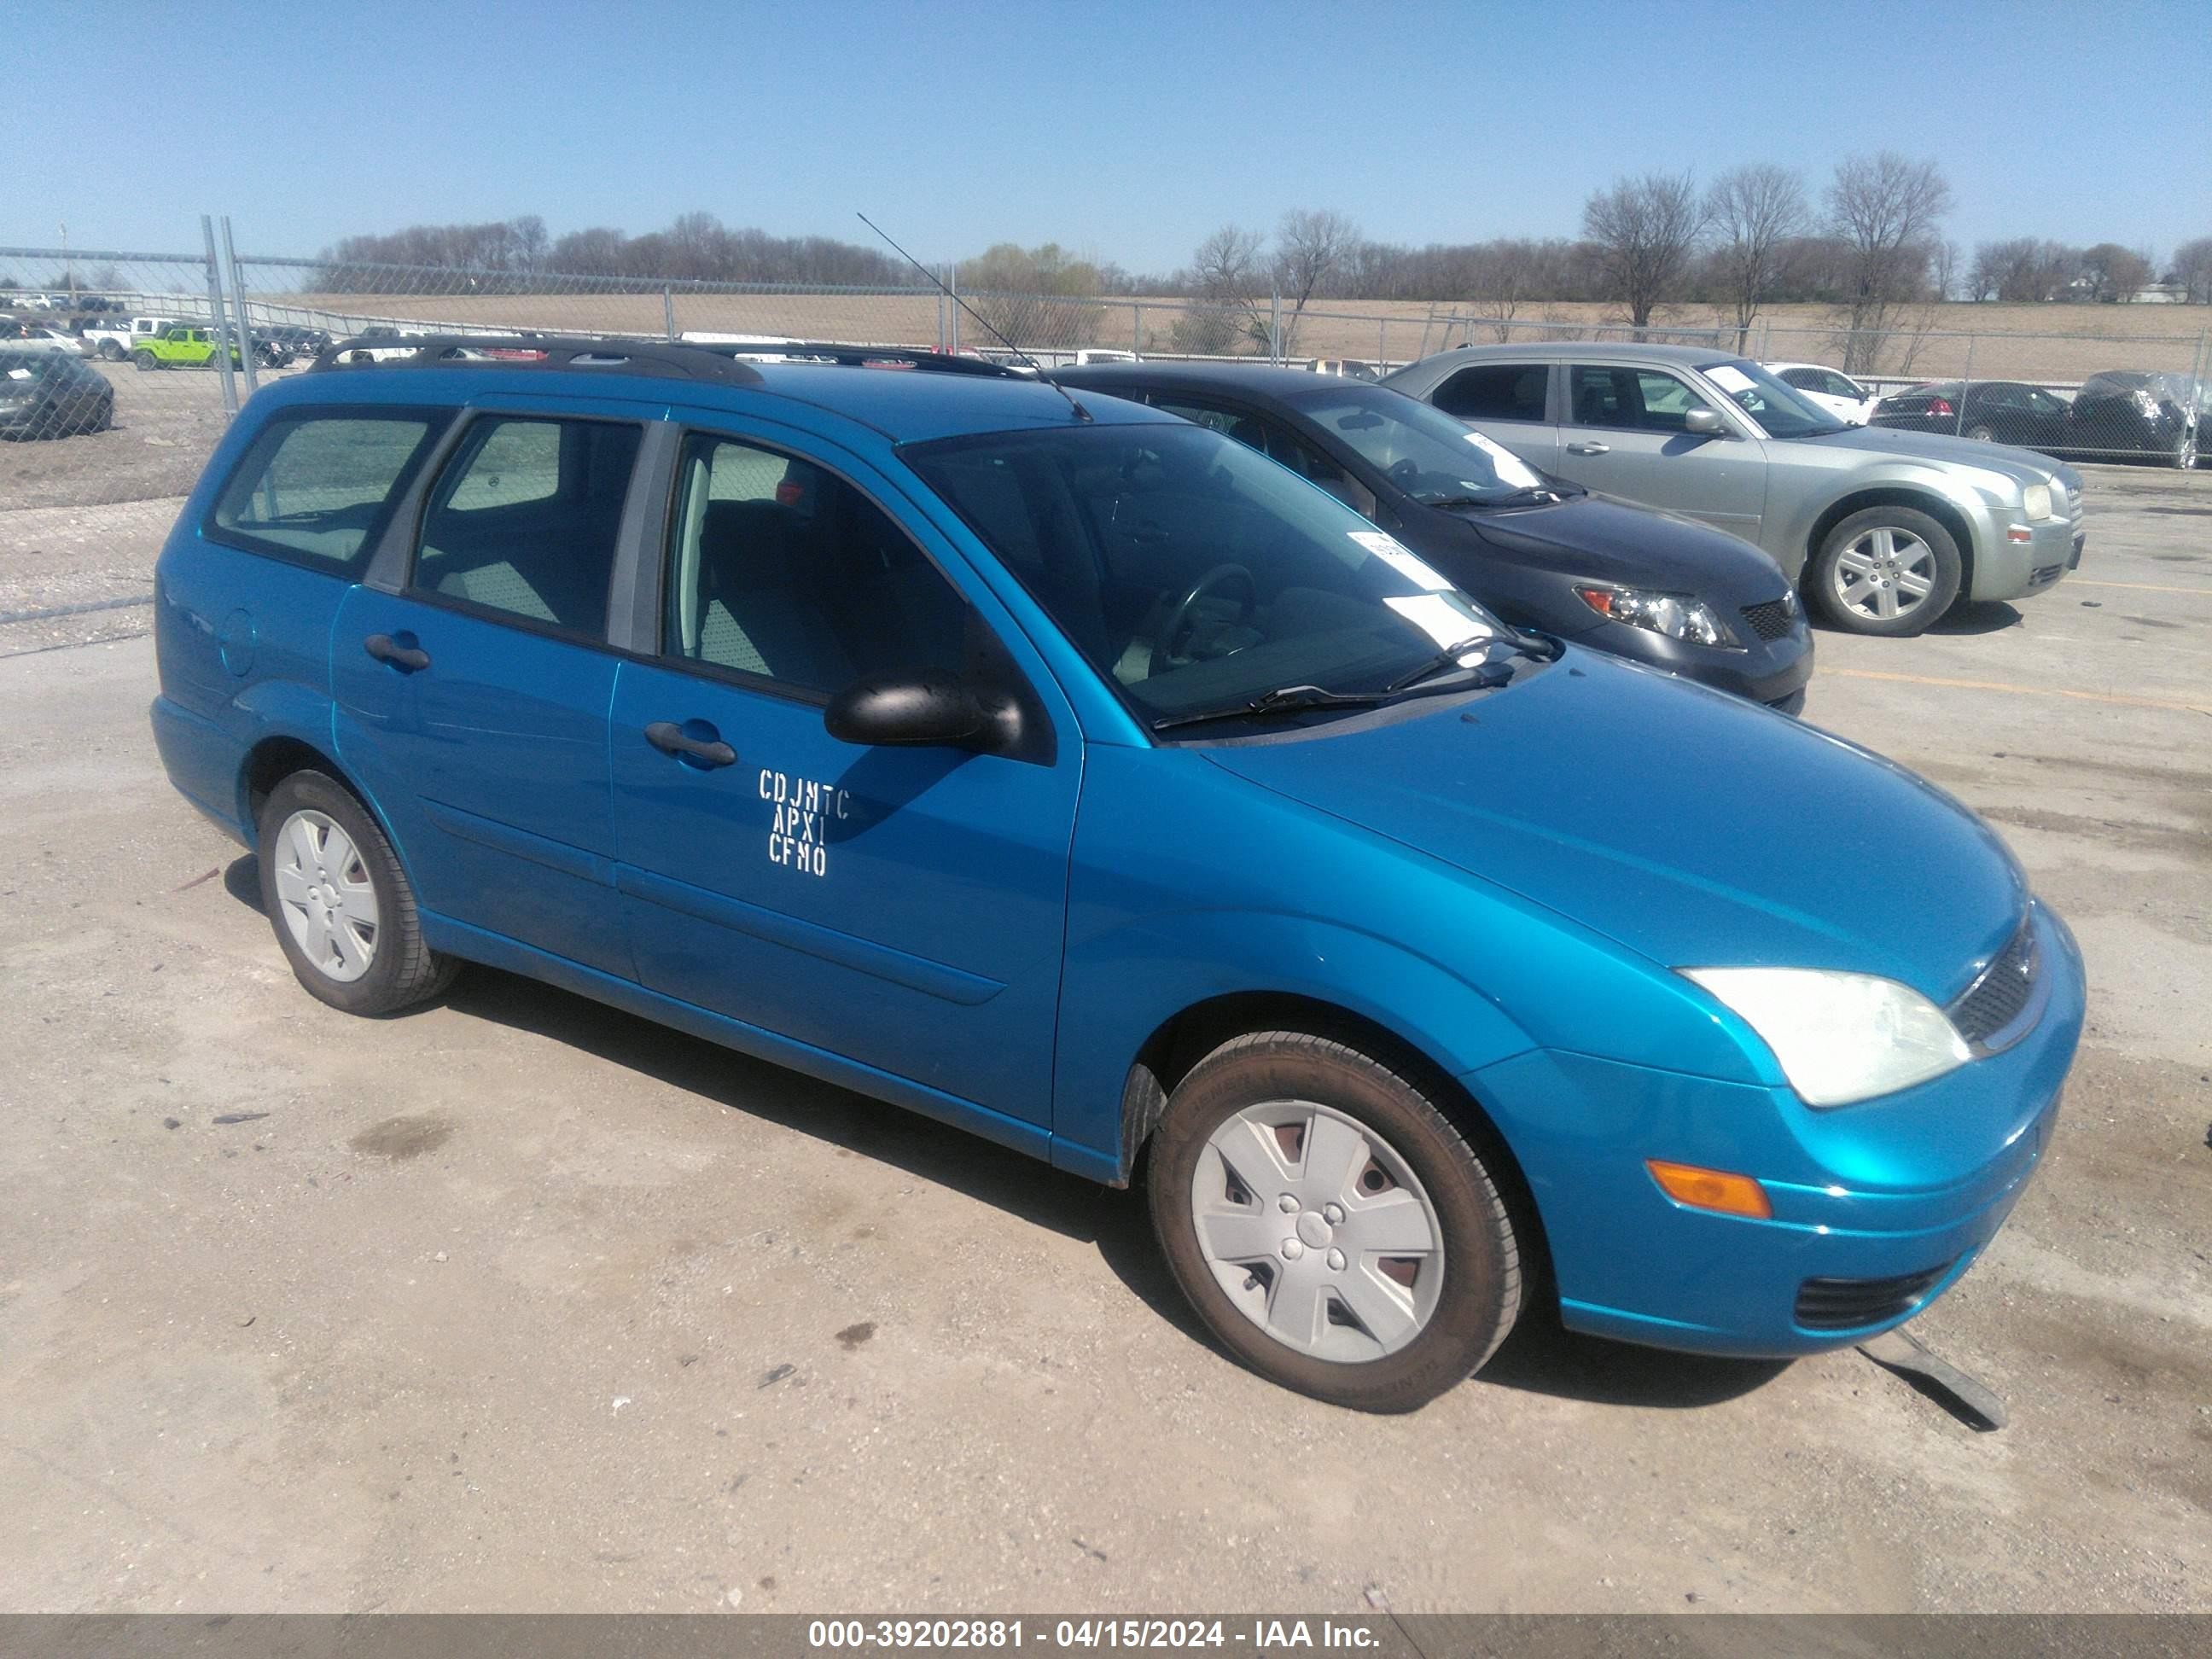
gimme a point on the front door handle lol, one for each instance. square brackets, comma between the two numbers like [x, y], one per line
[1589, 449]
[671, 739]
[385, 649]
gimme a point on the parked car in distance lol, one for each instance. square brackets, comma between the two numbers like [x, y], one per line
[1986, 412]
[1827, 388]
[113, 341]
[1538, 551]
[297, 339]
[1081, 778]
[2123, 412]
[23, 336]
[1882, 530]
[51, 394]
[179, 345]
[1350, 368]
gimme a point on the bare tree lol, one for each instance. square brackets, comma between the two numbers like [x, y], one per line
[1226, 275]
[1311, 249]
[1643, 231]
[1884, 209]
[1753, 212]
[2192, 270]
[1504, 274]
[2114, 272]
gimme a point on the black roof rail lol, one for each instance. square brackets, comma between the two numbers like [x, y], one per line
[859, 356]
[674, 359]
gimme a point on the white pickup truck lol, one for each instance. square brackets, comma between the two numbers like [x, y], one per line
[114, 342]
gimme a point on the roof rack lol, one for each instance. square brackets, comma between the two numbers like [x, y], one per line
[667, 359]
[729, 361]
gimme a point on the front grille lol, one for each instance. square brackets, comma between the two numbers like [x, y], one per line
[1997, 999]
[1771, 619]
[1844, 1304]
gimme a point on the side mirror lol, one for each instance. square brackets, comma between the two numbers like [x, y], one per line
[1705, 423]
[920, 710]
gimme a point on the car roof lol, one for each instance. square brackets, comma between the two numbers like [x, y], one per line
[1583, 351]
[910, 405]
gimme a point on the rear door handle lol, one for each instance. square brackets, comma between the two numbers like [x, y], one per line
[385, 649]
[671, 739]
[1589, 449]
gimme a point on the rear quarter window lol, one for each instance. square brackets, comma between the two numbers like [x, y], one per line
[316, 488]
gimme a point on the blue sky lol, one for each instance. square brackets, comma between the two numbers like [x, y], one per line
[1124, 129]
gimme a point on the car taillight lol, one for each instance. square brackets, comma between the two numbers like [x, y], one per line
[1941, 406]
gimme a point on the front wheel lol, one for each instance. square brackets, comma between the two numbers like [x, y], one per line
[1331, 1225]
[1889, 571]
[343, 910]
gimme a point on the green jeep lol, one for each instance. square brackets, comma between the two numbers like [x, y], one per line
[179, 344]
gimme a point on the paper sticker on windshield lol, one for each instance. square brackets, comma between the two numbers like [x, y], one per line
[19, 373]
[1510, 468]
[1439, 618]
[1728, 378]
[1401, 558]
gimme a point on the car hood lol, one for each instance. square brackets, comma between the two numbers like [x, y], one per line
[2022, 465]
[1607, 540]
[1687, 825]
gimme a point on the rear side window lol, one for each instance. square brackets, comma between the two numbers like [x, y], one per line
[1495, 392]
[524, 520]
[317, 489]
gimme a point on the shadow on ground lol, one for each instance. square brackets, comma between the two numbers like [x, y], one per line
[1541, 1357]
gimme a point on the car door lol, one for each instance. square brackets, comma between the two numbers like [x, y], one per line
[1625, 434]
[472, 699]
[899, 908]
[1509, 404]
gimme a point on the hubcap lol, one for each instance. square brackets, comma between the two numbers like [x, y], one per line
[1885, 574]
[1318, 1230]
[325, 894]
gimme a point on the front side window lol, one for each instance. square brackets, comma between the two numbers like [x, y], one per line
[1632, 399]
[1496, 391]
[317, 489]
[1420, 449]
[1276, 443]
[524, 520]
[1193, 573]
[781, 571]
[1776, 408]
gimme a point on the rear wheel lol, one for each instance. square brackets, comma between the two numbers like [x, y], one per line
[1981, 434]
[343, 912]
[1333, 1229]
[110, 352]
[1887, 570]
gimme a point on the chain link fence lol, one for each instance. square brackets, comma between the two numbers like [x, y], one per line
[123, 369]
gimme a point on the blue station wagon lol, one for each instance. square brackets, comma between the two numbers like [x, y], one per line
[1077, 775]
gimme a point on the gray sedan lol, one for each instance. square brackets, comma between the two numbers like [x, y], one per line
[1882, 530]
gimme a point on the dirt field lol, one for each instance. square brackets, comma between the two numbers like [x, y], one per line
[519, 1303]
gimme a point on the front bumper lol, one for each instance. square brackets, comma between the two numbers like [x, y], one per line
[1909, 1188]
[2007, 569]
[1773, 672]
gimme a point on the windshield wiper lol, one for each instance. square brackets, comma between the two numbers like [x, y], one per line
[1537, 648]
[1283, 700]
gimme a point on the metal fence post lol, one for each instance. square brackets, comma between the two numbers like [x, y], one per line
[954, 286]
[1274, 324]
[1383, 345]
[238, 297]
[220, 329]
[1136, 328]
[668, 308]
[1965, 386]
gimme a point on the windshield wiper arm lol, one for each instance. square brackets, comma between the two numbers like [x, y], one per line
[1536, 646]
[1283, 700]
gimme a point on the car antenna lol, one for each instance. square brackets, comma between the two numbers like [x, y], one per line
[1081, 413]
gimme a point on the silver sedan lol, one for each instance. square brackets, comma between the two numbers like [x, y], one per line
[1882, 530]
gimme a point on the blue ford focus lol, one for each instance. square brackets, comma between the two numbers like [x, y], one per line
[1081, 778]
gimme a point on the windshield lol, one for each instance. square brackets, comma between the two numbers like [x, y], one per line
[1419, 448]
[1779, 409]
[1196, 574]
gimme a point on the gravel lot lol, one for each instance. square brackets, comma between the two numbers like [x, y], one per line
[519, 1303]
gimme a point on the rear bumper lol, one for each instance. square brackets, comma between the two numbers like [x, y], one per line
[1909, 1188]
[203, 763]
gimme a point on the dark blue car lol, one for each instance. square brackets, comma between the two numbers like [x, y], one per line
[1074, 775]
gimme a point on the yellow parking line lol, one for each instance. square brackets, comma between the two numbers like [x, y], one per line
[2021, 690]
[2137, 587]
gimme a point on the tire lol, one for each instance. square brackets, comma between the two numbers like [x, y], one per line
[374, 960]
[1862, 578]
[1315, 1125]
[1981, 434]
[144, 361]
[110, 352]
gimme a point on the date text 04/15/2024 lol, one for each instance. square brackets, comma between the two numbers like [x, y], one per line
[1260, 1635]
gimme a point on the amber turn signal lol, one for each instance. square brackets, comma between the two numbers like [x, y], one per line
[1710, 1189]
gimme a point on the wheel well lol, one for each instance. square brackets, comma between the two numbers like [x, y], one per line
[1933, 506]
[1171, 1053]
[275, 759]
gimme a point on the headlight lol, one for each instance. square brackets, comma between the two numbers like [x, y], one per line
[1840, 1037]
[2035, 501]
[1678, 616]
